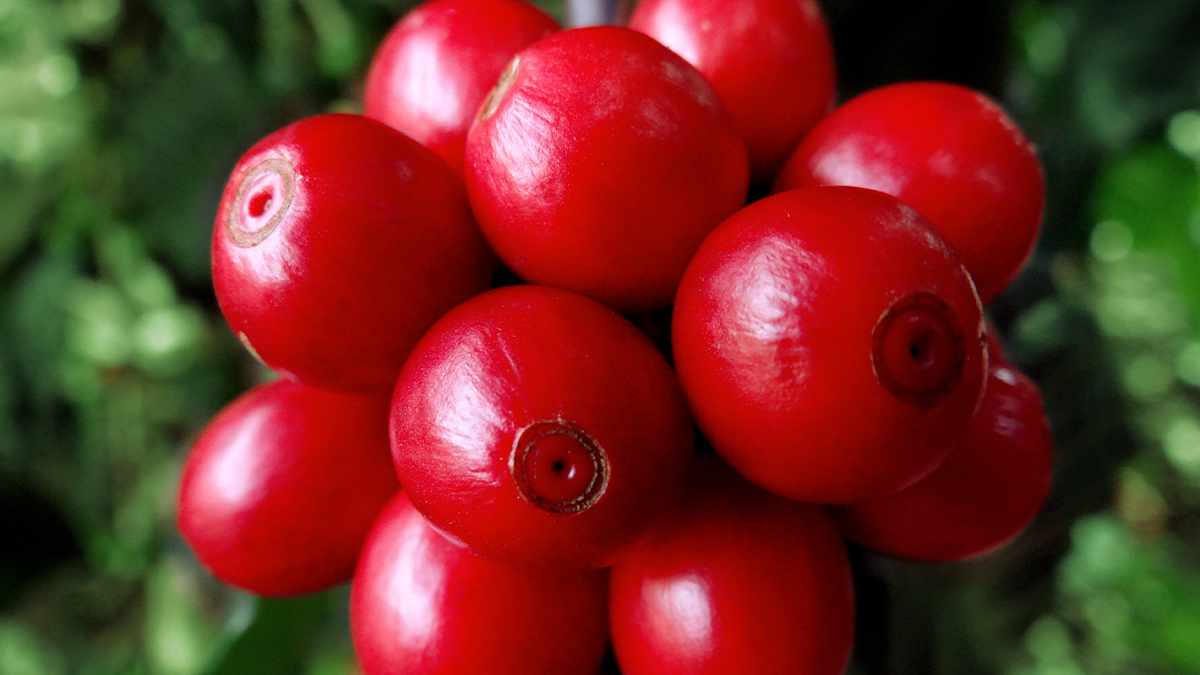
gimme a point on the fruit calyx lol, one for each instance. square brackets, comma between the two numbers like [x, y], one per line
[918, 349]
[263, 198]
[496, 95]
[558, 467]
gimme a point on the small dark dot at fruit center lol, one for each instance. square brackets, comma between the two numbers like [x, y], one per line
[918, 351]
[260, 203]
[922, 348]
[558, 467]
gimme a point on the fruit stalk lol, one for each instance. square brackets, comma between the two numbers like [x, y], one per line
[597, 12]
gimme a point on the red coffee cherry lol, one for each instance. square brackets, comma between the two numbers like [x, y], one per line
[737, 581]
[949, 152]
[435, 67]
[422, 605]
[771, 61]
[600, 162]
[280, 490]
[540, 427]
[987, 491]
[830, 344]
[338, 242]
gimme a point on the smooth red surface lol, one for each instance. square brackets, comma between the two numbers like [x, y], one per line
[774, 334]
[985, 493]
[603, 163]
[771, 62]
[435, 67]
[280, 490]
[949, 152]
[738, 581]
[421, 605]
[506, 362]
[354, 239]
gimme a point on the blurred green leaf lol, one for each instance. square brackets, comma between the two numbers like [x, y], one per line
[276, 640]
[1154, 192]
[178, 638]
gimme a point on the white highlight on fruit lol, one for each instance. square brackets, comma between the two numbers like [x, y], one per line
[681, 616]
[424, 81]
[413, 591]
[238, 467]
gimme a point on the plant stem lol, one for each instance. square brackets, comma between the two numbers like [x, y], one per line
[596, 12]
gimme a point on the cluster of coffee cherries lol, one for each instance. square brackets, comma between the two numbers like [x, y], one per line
[654, 427]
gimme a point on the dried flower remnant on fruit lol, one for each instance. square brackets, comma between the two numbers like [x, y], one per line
[496, 95]
[558, 467]
[918, 350]
[262, 200]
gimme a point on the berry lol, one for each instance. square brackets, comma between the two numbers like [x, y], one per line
[540, 427]
[599, 164]
[281, 488]
[830, 344]
[771, 62]
[736, 581]
[436, 66]
[987, 491]
[950, 153]
[338, 242]
[423, 605]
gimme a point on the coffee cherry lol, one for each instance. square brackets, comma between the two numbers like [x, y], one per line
[736, 581]
[280, 490]
[771, 62]
[949, 152]
[830, 344]
[338, 242]
[540, 428]
[435, 67]
[423, 605]
[600, 162]
[987, 491]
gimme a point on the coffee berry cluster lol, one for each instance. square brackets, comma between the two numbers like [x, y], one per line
[551, 386]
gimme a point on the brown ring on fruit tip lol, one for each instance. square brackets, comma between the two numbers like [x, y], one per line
[502, 86]
[569, 450]
[263, 197]
[918, 350]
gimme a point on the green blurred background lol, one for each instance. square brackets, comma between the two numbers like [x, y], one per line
[119, 123]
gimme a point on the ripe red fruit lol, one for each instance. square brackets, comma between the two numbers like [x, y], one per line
[987, 491]
[600, 162]
[435, 67]
[830, 344]
[338, 242]
[771, 62]
[422, 605]
[949, 152]
[540, 427]
[280, 490]
[737, 581]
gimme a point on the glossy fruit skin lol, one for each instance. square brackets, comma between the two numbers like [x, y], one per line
[281, 488]
[737, 581]
[985, 493]
[422, 605]
[790, 352]
[338, 242]
[949, 152]
[771, 62]
[436, 66]
[533, 364]
[599, 165]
